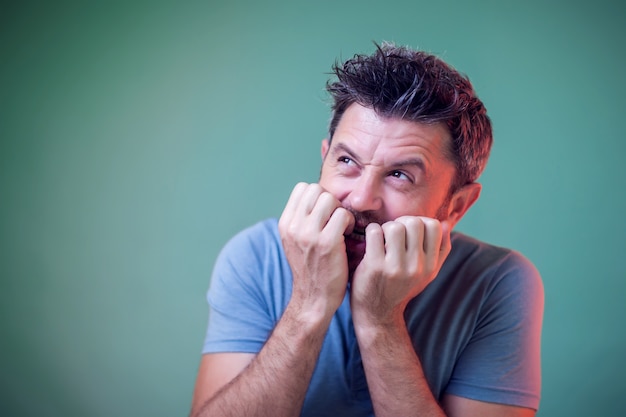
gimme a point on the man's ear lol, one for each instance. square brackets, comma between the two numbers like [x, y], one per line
[461, 201]
[325, 148]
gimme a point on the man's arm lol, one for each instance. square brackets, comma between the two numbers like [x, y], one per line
[458, 406]
[215, 371]
[274, 382]
[401, 259]
[398, 386]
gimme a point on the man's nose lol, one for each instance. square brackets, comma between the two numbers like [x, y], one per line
[365, 194]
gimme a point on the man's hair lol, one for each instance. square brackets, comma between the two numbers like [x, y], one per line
[398, 82]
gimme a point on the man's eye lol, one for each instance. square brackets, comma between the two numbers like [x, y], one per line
[400, 175]
[345, 160]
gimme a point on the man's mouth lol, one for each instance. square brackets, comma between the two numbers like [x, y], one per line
[358, 233]
[355, 245]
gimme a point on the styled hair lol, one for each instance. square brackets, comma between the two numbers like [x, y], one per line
[398, 82]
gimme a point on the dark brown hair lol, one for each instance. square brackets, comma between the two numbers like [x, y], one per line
[398, 82]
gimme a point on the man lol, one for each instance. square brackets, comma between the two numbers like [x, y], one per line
[360, 301]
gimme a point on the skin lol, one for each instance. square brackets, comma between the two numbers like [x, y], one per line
[380, 217]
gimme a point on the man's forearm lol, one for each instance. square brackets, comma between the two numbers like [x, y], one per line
[394, 373]
[276, 381]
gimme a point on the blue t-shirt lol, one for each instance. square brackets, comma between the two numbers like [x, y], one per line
[476, 328]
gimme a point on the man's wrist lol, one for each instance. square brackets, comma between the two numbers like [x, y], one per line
[363, 316]
[369, 327]
[309, 317]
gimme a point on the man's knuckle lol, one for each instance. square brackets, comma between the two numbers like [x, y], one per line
[395, 271]
[393, 228]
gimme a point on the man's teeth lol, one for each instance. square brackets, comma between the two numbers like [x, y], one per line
[358, 234]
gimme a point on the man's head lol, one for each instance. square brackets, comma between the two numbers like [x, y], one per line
[399, 83]
[408, 137]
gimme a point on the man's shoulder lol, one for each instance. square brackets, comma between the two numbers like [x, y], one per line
[257, 234]
[251, 258]
[252, 247]
[464, 244]
[484, 258]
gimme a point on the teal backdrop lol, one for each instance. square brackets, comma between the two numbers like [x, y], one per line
[136, 138]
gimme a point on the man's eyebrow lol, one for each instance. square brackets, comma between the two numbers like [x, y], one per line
[340, 147]
[418, 162]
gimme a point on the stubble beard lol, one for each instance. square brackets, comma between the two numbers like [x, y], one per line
[362, 219]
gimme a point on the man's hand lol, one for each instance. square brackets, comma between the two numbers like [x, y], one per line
[401, 258]
[312, 229]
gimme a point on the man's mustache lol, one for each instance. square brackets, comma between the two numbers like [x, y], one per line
[362, 219]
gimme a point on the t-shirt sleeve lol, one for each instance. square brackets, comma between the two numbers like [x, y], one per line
[501, 362]
[240, 319]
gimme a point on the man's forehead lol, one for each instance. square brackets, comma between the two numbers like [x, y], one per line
[366, 132]
[361, 119]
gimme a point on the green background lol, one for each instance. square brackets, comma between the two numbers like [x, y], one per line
[137, 138]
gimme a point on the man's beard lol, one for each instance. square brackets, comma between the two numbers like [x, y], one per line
[362, 219]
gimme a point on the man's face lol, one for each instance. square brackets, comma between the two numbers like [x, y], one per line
[381, 169]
